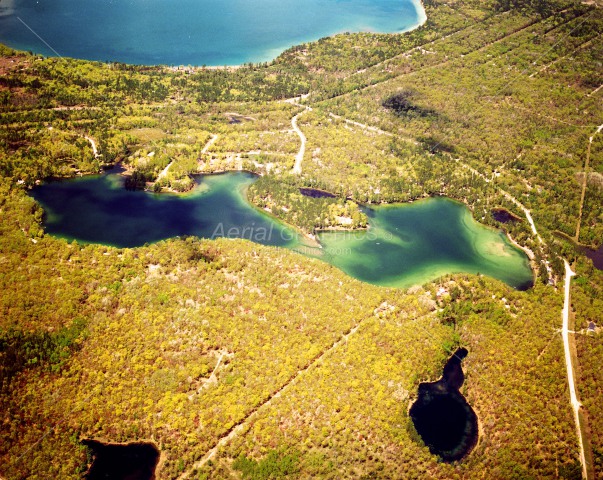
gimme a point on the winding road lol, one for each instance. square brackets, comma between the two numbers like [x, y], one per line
[565, 331]
[299, 158]
[93, 145]
[566, 307]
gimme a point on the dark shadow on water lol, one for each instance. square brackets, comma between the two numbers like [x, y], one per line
[133, 461]
[445, 421]
[523, 287]
[116, 168]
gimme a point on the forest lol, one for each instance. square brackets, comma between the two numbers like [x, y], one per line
[244, 361]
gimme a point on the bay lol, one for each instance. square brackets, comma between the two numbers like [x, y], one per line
[191, 32]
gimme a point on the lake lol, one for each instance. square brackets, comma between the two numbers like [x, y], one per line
[405, 244]
[98, 209]
[191, 32]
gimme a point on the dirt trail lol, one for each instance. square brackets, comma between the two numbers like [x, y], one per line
[579, 47]
[164, 172]
[509, 197]
[93, 145]
[570, 368]
[210, 142]
[362, 125]
[595, 91]
[435, 65]
[585, 181]
[244, 422]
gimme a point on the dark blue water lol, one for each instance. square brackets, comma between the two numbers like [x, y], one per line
[98, 209]
[441, 415]
[195, 32]
[133, 461]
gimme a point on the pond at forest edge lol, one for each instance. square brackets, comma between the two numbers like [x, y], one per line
[595, 255]
[405, 245]
[441, 415]
[132, 461]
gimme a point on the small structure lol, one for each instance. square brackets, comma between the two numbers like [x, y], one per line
[591, 327]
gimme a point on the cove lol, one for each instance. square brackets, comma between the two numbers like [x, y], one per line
[441, 415]
[191, 32]
[405, 244]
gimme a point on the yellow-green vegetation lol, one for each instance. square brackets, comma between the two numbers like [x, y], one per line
[504, 101]
[169, 145]
[283, 198]
[348, 417]
[586, 298]
[244, 361]
[590, 354]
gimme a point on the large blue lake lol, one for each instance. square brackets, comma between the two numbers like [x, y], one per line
[191, 32]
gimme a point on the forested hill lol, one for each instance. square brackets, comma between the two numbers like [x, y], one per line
[273, 364]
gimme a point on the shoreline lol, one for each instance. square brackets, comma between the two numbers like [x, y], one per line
[531, 257]
[309, 244]
[272, 52]
[421, 20]
[420, 8]
[313, 236]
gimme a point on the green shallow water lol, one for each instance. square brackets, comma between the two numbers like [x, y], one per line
[415, 243]
[405, 245]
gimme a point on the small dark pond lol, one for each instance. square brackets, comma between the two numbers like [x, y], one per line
[503, 215]
[441, 415]
[133, 461]
[595, 255]
[315, 193]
